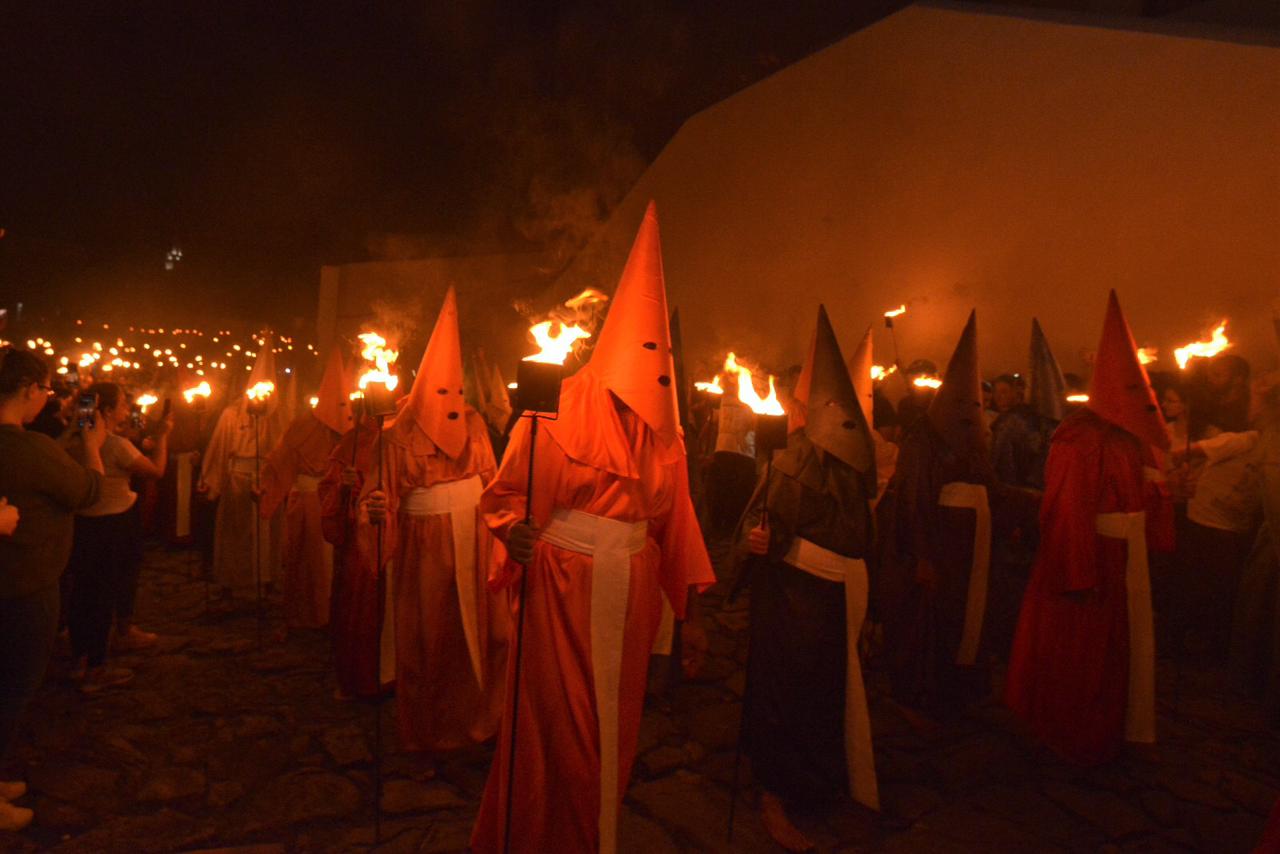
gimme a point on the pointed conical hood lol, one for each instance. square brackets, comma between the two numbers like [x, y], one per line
[436, 403]
[860, 364]
[289, 403]
[264, 367]
[834, 420]
[956, 411]
[1047, 394]
[633, 355]
[333, 405]
[1120, 391]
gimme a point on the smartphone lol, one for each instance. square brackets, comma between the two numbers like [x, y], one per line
[86, 407]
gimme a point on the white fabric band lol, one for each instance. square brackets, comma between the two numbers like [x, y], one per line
[1140, 713]
[860, 760]
[611, 544]
[306, 483]
[973, 496]
[459, 499]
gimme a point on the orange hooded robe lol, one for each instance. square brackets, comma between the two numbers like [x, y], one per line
[619, 534]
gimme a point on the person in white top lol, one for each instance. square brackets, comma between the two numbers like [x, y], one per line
[106, 550]
[1221, 471]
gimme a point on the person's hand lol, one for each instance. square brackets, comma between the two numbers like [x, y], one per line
[202, 488]
[758, 540]
[349, 476]
[375, 506]
[148, 444]
[521, 540]
[693, 647]
[165, 425]
[8, 518]
[95, 434]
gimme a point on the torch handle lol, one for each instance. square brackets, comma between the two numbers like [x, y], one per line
[515, 684]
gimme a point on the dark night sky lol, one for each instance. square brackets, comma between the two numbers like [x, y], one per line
[269, 138]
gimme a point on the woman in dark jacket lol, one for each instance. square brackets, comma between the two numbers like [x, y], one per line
[46, 486]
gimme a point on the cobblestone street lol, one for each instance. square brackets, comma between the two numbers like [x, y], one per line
[220, 744]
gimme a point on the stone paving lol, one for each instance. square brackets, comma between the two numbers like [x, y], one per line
[220, 744]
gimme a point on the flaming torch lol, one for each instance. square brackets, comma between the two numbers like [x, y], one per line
[1217, 342]
[378, 383]
[198, 395]
[893, 336]
[538, 379]
[258, 396]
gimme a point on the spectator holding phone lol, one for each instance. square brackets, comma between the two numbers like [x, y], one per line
[107, 549]
[45, 487]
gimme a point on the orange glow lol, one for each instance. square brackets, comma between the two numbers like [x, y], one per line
[1217, 342]
[1147, 355]
[926, 381]
[313, 401]
[1077, 398]
[747, 394]
[879, 372]
[900, 310]
[201, 390]
[260, 391]
[145, 400]
[376, 351]
[553, 349]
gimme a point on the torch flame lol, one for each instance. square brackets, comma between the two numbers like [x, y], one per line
[879, 372]
[747, 394]
[926, 381]
[147, 399]
[1077, 398]
[260, 390]
[1147, 355]
[313, 401]
[900, 310]
[1217, 342]
[712, 387]
[202, 390]
[376, 351]
[554, 349]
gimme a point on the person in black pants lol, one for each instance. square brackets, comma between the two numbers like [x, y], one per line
[106, 552]
[46, 486]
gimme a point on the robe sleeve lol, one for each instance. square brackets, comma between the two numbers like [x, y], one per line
[685, 562]
[334, 501]
[1068, 516]
[213, 467]
[279, 471]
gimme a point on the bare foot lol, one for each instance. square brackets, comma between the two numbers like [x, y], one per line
[779, 827]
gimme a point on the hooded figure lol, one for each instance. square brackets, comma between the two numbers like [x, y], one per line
[1082, 669]
[860, 365]
[809, 531]
[291, 475]
[938, 529]
[231, 471]
[450, 628]
[617, 535]
[361, 633]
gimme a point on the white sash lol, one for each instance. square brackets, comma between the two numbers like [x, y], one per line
[611, 543]
[852, 573]
[459, 499]
[183, 466]
[1140, 713]
[973, 496]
